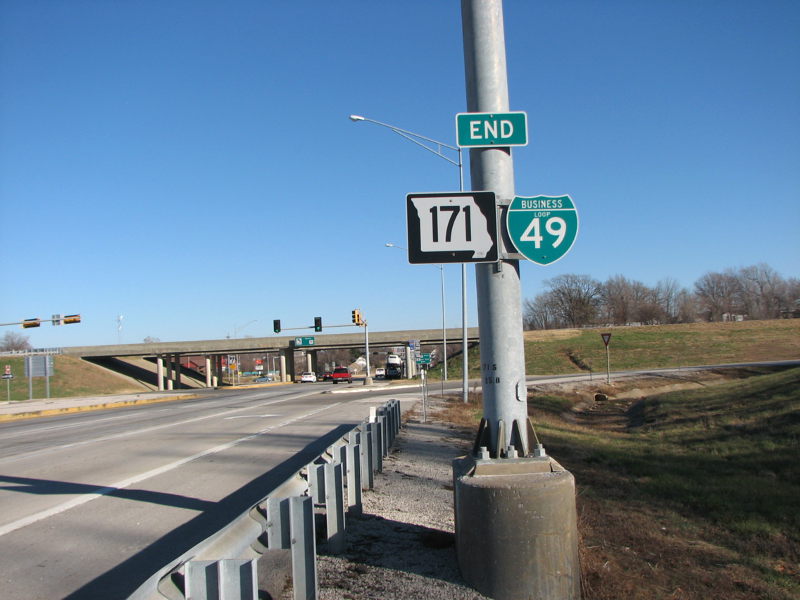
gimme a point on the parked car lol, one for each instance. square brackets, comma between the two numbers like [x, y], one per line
[380, 373]
[265, 379]
[308, 377]
[341, 374]
[393, 372]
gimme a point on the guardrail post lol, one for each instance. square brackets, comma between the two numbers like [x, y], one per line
[354, 478]
[304, 548]
[278, 524]
[398, 416]
[383, 422]
[377, 446]
[372, 436]
[390, 421]
[228, 579]
[367, 477]
[316, 482]
[334, 508]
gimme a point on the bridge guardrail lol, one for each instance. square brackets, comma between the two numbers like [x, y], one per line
[284, 519]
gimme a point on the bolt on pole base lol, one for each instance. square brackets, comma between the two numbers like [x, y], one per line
[516, 527]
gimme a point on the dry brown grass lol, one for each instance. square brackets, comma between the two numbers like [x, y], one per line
[695, 541]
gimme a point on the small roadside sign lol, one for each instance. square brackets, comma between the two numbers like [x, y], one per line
[606, 338]
[451, 227]
[424, 359]
[485, 130]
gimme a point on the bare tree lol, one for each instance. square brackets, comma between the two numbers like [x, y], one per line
[761, 288]
[718, 294]
[617, 300]
[14, 341]
[667, 292]
[575, 298]
[538, 313]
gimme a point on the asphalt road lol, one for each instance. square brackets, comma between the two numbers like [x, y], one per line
[92, 504]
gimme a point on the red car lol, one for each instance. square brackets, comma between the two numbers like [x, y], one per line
[341, 374]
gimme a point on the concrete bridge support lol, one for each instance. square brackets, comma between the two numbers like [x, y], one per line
[208, 371]
[176, 361]
[411, 364]
[285, 354]
[217, 370]
[160, 372]
[170, 373]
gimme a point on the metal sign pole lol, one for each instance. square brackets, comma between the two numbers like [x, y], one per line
[29, 373]
[516, 535]
[502, 350]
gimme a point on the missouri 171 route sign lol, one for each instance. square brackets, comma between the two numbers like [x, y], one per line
[452, 227]
[543, 228]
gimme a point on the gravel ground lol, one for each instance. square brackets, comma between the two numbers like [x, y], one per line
[402, 546]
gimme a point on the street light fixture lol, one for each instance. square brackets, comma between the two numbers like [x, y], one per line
[444, 329]
[436, 148]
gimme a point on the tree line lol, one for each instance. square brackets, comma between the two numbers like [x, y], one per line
[755, 292]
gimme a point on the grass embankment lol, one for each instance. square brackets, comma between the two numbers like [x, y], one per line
[72, 377]
[564, 351]
[688, 494]
[685, 495]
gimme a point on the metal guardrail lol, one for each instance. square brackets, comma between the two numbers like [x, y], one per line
[332, 483]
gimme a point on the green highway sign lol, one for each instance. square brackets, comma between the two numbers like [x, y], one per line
[304, 341]
[484, 130]
[543, 228]
[424, 359]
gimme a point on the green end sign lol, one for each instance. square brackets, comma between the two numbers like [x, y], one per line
[484, 130]
[543, 228]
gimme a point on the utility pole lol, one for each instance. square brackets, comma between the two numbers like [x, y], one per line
[516, 524]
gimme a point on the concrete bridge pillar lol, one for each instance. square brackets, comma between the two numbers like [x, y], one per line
[177, 362]
[160, 372]
[208, 371]
[217, 370]
[284, 377]
[170, 372]
[411, 363]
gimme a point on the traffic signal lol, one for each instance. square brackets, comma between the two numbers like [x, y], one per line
[31, 323]
[71, 319]
[317, 324]
[276, 325]
[358, 319]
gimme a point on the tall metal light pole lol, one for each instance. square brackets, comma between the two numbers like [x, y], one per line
[437, 149]
[444, 328]
[515, 523]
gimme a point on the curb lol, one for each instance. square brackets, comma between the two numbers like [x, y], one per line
[49, 412]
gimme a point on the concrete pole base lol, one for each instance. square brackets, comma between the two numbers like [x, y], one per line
[516, 528]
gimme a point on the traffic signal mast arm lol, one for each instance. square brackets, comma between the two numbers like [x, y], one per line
[357, 319]
[56, 320]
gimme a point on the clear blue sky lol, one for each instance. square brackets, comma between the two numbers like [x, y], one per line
[190, 164]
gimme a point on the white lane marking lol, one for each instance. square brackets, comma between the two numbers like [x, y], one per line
[250, 417]
[105, 438]
[102, 491]
[34, 431]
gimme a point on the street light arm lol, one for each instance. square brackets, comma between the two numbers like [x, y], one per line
[415, 137]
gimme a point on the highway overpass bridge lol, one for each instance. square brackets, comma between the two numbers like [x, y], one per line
[167, 355]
